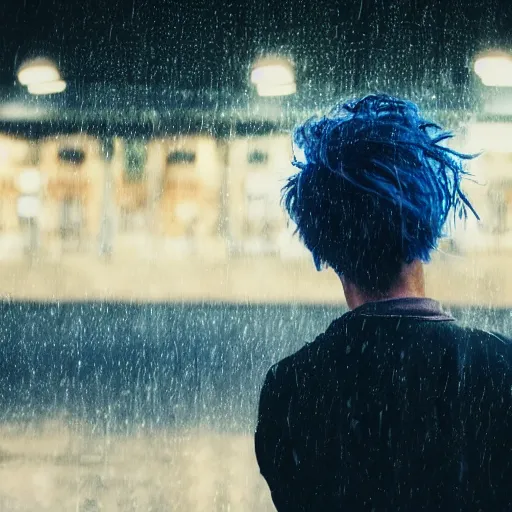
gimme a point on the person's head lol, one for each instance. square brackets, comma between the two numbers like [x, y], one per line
[374, 189]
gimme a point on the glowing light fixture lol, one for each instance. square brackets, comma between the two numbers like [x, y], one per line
[53, 87]
[41, 76]
[494, 69]
[37, 71]
[273, 76]
[276, 90]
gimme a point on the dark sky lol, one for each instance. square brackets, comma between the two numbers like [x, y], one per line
[210, 44]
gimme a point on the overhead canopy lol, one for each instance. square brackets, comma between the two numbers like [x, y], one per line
[157, 65]
[146, 111]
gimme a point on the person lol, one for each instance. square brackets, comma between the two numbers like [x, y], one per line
[395, 406]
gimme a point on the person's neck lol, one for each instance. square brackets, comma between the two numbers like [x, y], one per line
[410, 283]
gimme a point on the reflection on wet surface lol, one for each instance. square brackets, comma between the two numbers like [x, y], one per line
[128, 407]
[60, 468]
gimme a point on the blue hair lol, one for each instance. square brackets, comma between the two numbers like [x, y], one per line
[375, 188]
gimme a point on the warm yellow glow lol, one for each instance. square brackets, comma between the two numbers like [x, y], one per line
[38, 71]
[273, 76]
[28, 207]
[29, 181]
[494, 69]
[186, 211]
[274, 73]
[276, 90]
[47, 87]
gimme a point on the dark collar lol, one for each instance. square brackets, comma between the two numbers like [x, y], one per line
[409, 307]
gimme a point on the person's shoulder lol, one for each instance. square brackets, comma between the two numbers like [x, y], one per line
[487, 347]
[479, 335]
[469, 333]
[308, 355]
[294, 361]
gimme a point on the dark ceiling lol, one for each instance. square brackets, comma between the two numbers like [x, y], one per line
[148, 66]
[358, 44]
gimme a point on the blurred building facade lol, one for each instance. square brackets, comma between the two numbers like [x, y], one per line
[176, 197]
[192, 201]
[192, 189]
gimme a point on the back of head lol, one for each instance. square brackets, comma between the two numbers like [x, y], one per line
[374, 190]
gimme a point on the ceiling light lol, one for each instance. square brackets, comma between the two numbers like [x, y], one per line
[273, 76]
[494, 69]
[53, 87]
[38, 70]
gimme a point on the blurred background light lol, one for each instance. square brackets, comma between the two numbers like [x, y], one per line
[37, 71]
[41, 76]
[28, 207]
[29, 181]
[276, 90]
[494, 69]
[52, 87]
[22, 111]
[273, 76]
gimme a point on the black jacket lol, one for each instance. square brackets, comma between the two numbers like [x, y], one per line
[395, 407]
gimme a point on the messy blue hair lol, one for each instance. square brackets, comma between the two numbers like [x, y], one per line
[374, 189]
